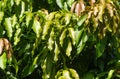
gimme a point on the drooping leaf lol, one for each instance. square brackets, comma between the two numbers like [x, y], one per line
[69, 48]
[3, 61]
[72, 35]
[56, 51]
[82, 43]
[8, 27]
[28, 18]
[62, 37]
[81, 20]
[36, 27]
[100, 47]
[78, 35]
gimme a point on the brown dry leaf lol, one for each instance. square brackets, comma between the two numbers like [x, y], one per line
[8, 47]
[1, 45]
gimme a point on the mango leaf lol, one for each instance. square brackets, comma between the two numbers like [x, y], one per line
[14, 20]
[56, 51]
[110, 74]
[28, 18]
[82, 42]
[69, 48]
[47, 67]
[72, 35]
[51, 40]
[1, 16]
[36, 27]
[78, 35]
[17, 36]
[62, 37]
[70, 2]
[81, 20]
[30, 67]
[3, 61]
[65, 7]
[100, 47]
[8, 27]
[60, 3]
[73, 73]
[15, 64]
[46, 28]
[67, 18]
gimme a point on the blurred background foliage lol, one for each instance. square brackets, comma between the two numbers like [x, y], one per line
[60, 39]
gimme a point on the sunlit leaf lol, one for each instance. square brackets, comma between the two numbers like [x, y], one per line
[8, 27]
[3, 61]
[56, 51]
[69, 49]
[81, 20]
[62, 37]
[72, 35]
[70, 2]
[82, 43]
[110, 74]
[36, 27]
[28, 18]
[60, 3]
[1, 16]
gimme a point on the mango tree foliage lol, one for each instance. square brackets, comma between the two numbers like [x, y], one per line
[65, 44]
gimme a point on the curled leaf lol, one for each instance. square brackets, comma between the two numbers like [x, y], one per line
[8, 48]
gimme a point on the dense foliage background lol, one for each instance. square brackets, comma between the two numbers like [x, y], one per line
[59, 39]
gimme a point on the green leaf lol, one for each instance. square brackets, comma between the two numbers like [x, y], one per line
[28, 18]
[78, 35]
[72, 35]
[3, 61]
[56, 51]
[70, 2]
[82, 42]
[51, 40]
[15, 64]
[46, 28]
[65, 6]
[8, 27]
[100, 47]
[68, 18]
[110, 74]
[81, 20]
[69, 48]
[62, 37]
[1, 16]
[37, 27]
[60, 3]
[73, 73]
